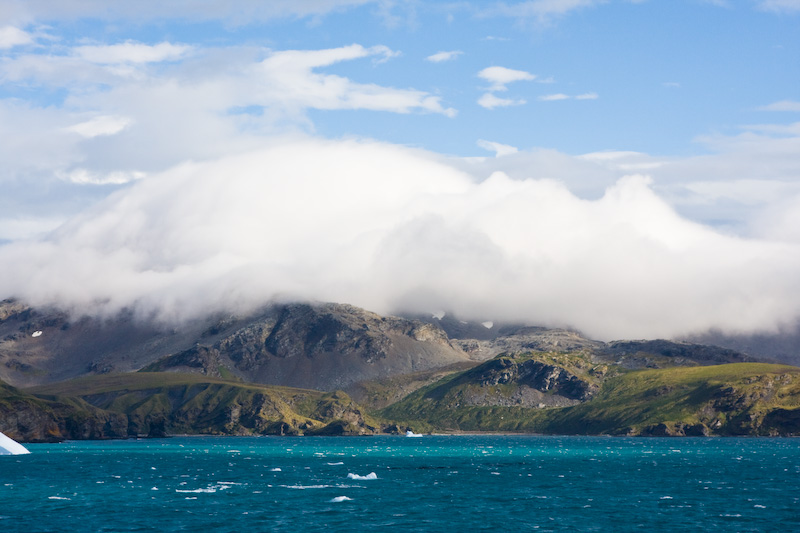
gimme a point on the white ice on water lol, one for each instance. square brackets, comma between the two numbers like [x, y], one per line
[9, 446]
[371, 475]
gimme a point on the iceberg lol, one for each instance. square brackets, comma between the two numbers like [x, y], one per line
[410, 433]
[9, 446]
[371, 475]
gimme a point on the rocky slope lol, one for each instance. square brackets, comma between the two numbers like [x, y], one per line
[320, 346]
[192, 379]
[562, 393]
[155, 405]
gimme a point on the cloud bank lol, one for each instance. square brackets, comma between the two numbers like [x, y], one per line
[390, 228]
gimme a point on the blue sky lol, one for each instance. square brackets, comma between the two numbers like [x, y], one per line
[687, 108]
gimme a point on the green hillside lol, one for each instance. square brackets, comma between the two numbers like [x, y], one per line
[731, 399]
[158, 404]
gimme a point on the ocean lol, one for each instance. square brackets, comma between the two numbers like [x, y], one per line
[433, 483]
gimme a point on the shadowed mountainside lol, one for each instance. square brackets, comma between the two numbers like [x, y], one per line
[319, 346]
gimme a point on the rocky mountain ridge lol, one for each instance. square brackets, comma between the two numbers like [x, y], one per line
[228, 375]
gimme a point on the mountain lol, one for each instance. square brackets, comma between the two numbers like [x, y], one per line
[312, 368]
[319, 346]
[559, 393]
[158, 404]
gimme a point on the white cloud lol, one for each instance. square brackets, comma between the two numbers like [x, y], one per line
[490, 101]
[540, 10]
[102, 125]
[779, 6]
[553, 97]
[131, 52]
[288, 77]
[11, 37]
[561, 96]
[498, 148]
[783, 105]
[389, 229]
[83, 176]
[499, 77]
[439, 57]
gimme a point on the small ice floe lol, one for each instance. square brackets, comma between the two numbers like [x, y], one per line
[57, 498]
[371, 475]
[154, 488]
[37, 333]
[305, 487]
[341, 499]
[665, 498]
[335, 464]
[410, 433]
[488, 324]
[275, 470]
[438, 315]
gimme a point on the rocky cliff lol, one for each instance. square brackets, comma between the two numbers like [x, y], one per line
[320, 346]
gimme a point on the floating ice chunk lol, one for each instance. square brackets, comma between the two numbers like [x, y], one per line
[438, 315]
[57, 498]
[36, 333]
[275, 470]
[335, 464]
[410, 433]
[341, 499]
[488, 324]
[9, 446]
[371, 475]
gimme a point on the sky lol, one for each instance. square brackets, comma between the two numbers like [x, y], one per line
[629, 168]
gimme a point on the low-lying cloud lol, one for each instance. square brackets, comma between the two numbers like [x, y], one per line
[390, 228]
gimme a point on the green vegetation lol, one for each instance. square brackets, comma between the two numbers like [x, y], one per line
[731, 399]
[156, 404]
[536, 392]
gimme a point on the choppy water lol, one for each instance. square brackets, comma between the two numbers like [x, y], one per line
[462, 483]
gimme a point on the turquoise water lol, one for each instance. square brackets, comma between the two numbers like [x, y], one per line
[468, 483]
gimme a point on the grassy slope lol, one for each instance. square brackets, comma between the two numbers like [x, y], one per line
[742, 398]
[157, 403]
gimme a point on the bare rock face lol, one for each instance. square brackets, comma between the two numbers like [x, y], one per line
[658, 353]
[330, 346]
[319, 346]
